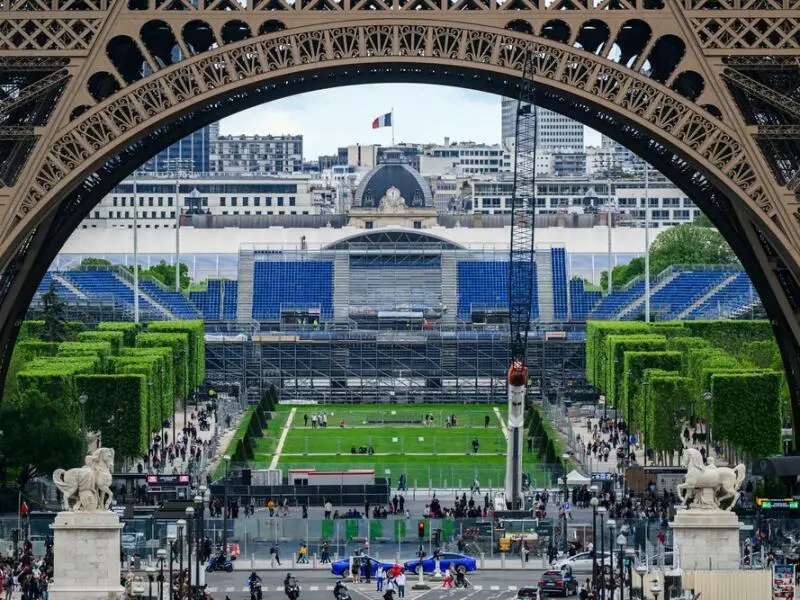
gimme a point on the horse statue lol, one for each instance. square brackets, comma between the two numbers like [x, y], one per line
[706, 481]
[87, 487]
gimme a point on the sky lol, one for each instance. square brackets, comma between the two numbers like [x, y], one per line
[343, 116]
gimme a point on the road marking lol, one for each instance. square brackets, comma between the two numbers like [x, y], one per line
[478, 588]
[279, 448]
[313, 588]
[230, 589]
[494, 588]
[328, 588]
[502, 422]
[512, 588]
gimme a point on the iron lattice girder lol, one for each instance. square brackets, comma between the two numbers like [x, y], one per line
[32, 91]
[523, 206]
[776, 99]
[779, 132]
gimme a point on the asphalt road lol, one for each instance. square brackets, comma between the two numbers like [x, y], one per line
[318, 585]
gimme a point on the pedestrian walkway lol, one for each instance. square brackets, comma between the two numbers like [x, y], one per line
[279, 448]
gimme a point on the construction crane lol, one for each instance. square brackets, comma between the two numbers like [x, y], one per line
[521, 276]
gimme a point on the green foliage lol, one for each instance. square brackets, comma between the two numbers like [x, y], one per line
[745, 408]
[165, 368]
[616, 347]
[165, 273]
[710, 360]
[636, 364]
[39, 436]
[90, 263]
[117, 408]
[197, 345]
[596, 332]
[101, 350]
[669, 402]
[731, 336]
[54, 328]
[624, 274]
[115, 338]
[24, 352]
[548, 447]
[179, 343]
[129, 331]
[763, 354]
[683, 345]
[34, 329]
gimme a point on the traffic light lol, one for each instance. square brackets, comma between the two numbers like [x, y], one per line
[421, 530]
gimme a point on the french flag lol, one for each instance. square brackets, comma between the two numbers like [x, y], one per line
[382, 121]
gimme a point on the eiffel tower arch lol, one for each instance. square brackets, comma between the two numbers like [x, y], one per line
[707, 91]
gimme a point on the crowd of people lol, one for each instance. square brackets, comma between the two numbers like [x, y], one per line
[27, 575]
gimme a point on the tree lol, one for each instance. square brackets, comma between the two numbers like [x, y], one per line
[36, 440]
[55, 324]
[165, 273]
[702, 220]
[96, 262]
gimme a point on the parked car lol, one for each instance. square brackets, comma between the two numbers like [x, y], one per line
[581, 562]
[528, 593]
[342, 567]
[131, 542]
[556, 582]
[463, 563]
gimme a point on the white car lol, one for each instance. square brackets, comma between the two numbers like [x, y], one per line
[582, 562]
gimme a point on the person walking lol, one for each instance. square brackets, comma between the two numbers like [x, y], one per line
[275, 551]
[401, 585]
[379, 578]
[367, 570]
[324, 557]
[356, 570]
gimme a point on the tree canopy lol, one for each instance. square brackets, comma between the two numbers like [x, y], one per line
[55, 327]
[686, 244]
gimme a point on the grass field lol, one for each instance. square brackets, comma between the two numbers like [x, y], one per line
[442, 457]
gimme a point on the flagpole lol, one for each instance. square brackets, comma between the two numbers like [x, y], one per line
[393, 126]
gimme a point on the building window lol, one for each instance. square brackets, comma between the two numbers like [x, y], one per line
[291, 201]
[163, 214]
[245, 201]
[114, 200]
[368, 224]
[97, 214]
[233, 201]
[268, 202]
[222, 201]
[256, 201]
[280, 200]
[417, 224]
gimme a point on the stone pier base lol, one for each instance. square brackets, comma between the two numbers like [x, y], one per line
[706, 539]
[86, 560]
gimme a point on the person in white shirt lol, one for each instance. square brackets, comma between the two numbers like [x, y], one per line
[400, 580]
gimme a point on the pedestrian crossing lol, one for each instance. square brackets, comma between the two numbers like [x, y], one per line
[369, 591]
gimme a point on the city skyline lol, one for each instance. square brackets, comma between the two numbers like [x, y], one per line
[448, 112]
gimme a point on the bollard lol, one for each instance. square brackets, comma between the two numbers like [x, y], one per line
[522, 558]
[314, 561]
[294, 559]
[253, 561]
[272, 561]
[437, 571]
[483, 556]
[502, 560]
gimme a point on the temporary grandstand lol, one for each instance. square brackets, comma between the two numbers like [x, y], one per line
[396, 312]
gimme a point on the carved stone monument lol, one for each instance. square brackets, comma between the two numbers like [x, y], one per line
[86, 534]
[707, 533]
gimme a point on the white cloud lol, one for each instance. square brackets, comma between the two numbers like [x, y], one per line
[336, 117]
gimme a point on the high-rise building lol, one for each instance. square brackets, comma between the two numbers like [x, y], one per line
[188, 155]
[555, 132]
[257, 154]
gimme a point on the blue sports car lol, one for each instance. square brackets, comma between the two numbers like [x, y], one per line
[342, 567]
[462, 562]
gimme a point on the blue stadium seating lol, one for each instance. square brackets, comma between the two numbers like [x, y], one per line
[582, 301]
[105, 285]
[292, 284]
[231, 297]
[62, 291]
[612, 304]
[484, 285]
[558, 258]
[682, 291]
[174, 302]
[730, 299]
[208, 301]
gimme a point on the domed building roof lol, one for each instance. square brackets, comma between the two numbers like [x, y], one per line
[393, 172]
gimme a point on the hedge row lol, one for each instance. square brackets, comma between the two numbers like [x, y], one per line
[547, 447]
[254, 421]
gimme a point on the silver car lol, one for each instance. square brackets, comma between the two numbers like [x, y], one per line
[581, 562]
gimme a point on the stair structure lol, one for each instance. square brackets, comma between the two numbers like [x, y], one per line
[710, 293]
[244, 306]
[544, 273]
[145, 299]
[449, 288]
[655, 286]
[69, 285]
[341, 286]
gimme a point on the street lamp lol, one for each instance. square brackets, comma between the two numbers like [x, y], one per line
[630, 554]
[628, 374]
[601, 510]
[83, 399]
[566, 499]
[622, 541]
[161, 554]
[594, 503]
[655, 589]
[189, 533]
[227, 460]
[645, 446]
[612, 526]
[641, 570]
[707, 397]
[171, 537]
[181, 526]
[198, 512]
[150, 578]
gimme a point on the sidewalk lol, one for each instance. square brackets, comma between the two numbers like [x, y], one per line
[513, 563]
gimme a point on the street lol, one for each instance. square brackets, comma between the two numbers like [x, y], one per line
[318, 585]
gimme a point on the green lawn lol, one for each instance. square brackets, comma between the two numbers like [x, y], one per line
[376, 414]
[395, 440]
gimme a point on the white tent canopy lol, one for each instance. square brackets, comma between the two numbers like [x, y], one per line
[574, 479]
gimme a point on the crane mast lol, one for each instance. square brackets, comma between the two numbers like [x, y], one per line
[521, 276]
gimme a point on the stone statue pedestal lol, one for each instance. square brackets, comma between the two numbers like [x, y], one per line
[706, 539]
[86, 560]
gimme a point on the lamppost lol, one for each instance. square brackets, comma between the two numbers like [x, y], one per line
[707, 398]
[628, 374]
[83, 399]
[181, 526]
[161, 554]
[198, 513]
[612, 527]
[150, 578]
[655, 589]
[227, 460]
[566, 499]
[630, 554]
[171, 537]
[622, 541]
[645, 384]
[594, 503]
[189, 534]
[601, 510]
[641, 570]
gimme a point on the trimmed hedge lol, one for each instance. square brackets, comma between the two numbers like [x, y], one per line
[683, 345]
[636, 364]
[24, 352]
[33, 329]
[118, 411]
[745, 408]
[101, 350]
[197, 345]
[179, 342]
[115, 338]
[596, 332]
[616, 348]
[669, 404]
[129, 331]
[165, 363]
[731, 336]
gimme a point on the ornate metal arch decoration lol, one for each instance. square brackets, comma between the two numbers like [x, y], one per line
[96, 134]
